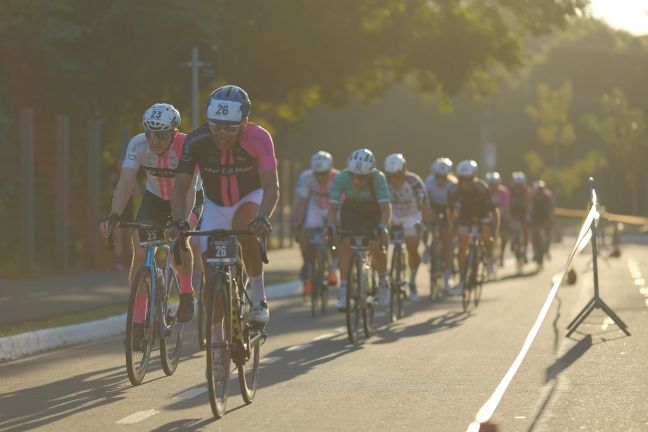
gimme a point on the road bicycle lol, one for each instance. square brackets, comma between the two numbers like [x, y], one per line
[320, 253]
[398, 274]
[227, 302]
[474, 271]
[155, 297]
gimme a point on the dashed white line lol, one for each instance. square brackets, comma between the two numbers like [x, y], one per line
[269, 360]
[324, 336]
[639, 281]
[299, 347]
[191, 393]
[606, 323]
[138, 416]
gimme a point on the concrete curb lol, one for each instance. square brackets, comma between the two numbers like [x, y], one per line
[25, 344]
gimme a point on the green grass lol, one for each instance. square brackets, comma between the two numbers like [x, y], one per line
[105, 312]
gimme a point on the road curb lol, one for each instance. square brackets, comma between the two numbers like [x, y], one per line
[25, 344]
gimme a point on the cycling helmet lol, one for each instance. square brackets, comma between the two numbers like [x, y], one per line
[467, 168]
[361, 162]
[441, 166]
[519, 178]
[321, 162]
[161, 117]
[228, 105]
[395, 163]
[493, 178]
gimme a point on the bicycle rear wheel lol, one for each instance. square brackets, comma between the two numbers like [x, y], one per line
[218, 349]
[252, 338]
[355, 297]
[171, 341]
[139, 335]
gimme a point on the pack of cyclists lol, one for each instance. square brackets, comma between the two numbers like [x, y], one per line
[223, 175]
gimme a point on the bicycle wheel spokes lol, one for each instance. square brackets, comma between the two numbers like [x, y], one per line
[139, 327]
[353, 298]
[219, 316]
[250, 344]
[171, 341]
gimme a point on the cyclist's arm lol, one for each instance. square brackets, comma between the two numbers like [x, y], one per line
[426, 212]
[331, 218]
[385, 213]
[300, 206]
[124, 189]
[270, 185]
[179, 196]
[191, 195]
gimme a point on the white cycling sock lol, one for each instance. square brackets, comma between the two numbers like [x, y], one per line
[257, 290]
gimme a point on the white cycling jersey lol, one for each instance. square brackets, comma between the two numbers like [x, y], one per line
[406, 200]
[438, 194]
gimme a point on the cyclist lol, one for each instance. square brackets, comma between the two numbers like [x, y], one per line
[410, 205]
[542, 211]
[311, 208]
[438, 185]
[237, 163]
[158, 151]
[471, 202]
[366, 207]
[501, 198]
[519, 208]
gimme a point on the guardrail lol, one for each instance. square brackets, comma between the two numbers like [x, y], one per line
[586, 234]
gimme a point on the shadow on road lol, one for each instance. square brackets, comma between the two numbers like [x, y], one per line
[29, 408]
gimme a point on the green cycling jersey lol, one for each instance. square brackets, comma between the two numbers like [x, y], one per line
[378, 190]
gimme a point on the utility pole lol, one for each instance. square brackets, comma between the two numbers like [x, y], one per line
[194, 64]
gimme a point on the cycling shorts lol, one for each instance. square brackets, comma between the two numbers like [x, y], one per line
[408, 223]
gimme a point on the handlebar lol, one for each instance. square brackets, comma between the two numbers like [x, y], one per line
[220, 233]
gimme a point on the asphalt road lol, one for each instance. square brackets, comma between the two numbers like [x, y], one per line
[430, 371]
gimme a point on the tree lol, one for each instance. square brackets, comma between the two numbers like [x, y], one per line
[623, 128]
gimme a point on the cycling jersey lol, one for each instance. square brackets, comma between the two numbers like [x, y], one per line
[501, 196]
[309, 187]
[229, 175]
[438, 194]
[376, 191]
[407, 200]
[520, 202]
[160, 170]
[473, 203]
[542, 207]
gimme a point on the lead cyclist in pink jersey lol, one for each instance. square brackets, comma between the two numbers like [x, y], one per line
[158, 151]
[238, 167]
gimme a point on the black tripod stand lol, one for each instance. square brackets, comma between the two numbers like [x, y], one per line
[596, 302]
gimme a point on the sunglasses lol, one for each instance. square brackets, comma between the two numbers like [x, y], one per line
[220, 129]
[158, 135]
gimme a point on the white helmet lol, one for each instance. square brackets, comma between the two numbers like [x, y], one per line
[161, 117]
[395, 163]
[467, 168]
[321, 162]
[493, 178]
[519, 178]
[442, 166]
[361, 162]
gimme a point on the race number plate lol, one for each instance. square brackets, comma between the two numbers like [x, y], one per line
[150, 237]
[222, 251]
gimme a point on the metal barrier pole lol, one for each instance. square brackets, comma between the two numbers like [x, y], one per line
[596, 302]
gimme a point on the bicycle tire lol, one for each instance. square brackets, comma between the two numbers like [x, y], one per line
[479, 274]
[248, 370]
[435, 270]
[136, 364]
[467, 280]
[317, 280]
[354, 297]
[396, 272]
[218, 388]
[171, 341]
[201, 322]
[369, 306]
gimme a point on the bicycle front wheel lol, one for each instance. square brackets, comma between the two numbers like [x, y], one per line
[355, 297]
[397, 275]
[139, 327]
[467, 279]
[479, 275]
[171, 341]
[199, 277]
[369, 309]
[252, 338]
[219, 323]
[435, 270]
[317, 282]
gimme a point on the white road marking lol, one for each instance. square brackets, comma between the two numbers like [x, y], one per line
[606, 323]
[644, 291]
[647, 302]
[299, 347]
[191, 393]
[324, 336]
[269, 360]
[138, 416]
[340, 330]
[519, 417]
[640, 281]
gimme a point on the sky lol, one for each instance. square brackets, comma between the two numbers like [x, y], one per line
[629, 15]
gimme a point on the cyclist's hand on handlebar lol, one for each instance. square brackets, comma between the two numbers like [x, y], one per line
[382, 234]
[177, 229]
[108, 225]
[260, 226]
